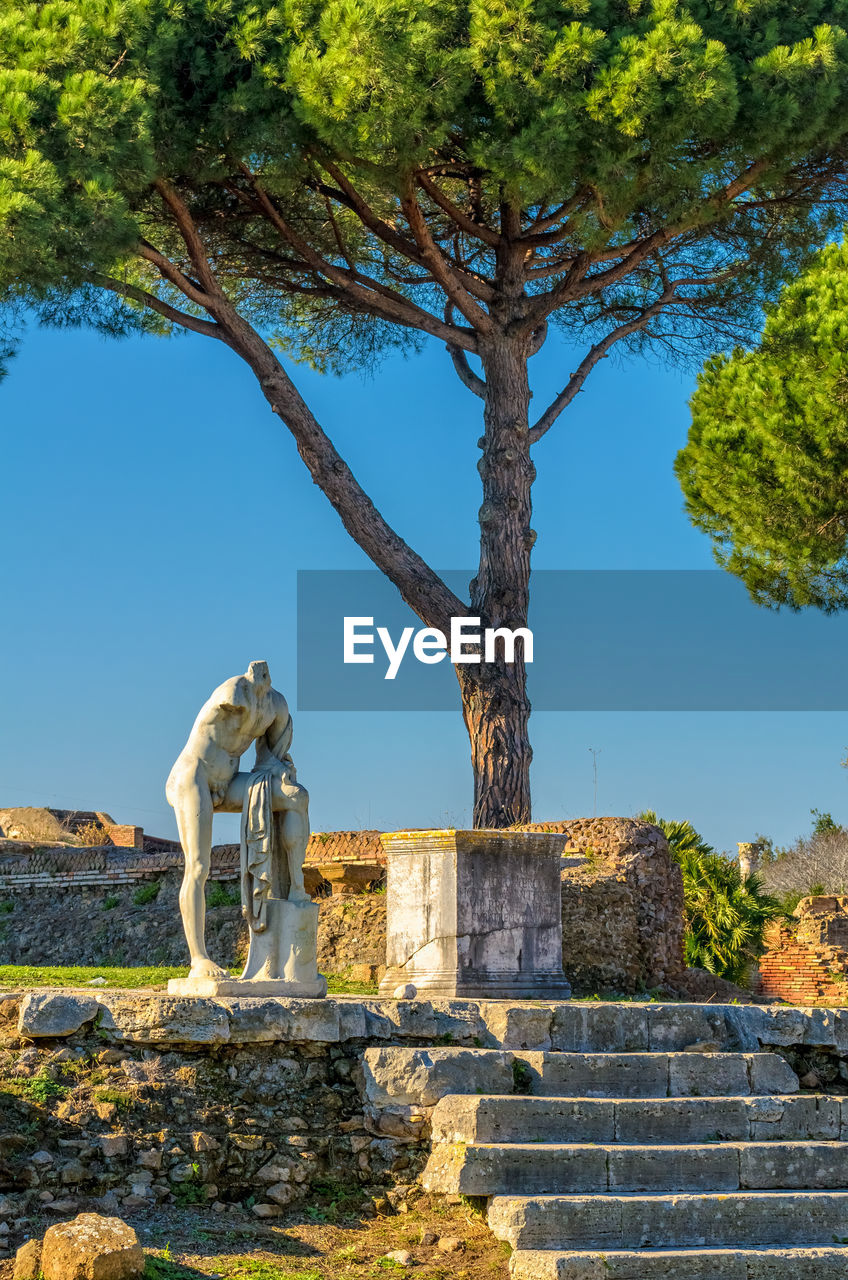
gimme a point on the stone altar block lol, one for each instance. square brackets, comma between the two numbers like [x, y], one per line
[475, 914]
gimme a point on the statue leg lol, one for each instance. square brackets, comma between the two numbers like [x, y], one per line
[294, 800]
[190, 796]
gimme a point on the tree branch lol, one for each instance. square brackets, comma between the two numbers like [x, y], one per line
[192, 240]
[468, 225]
[419, 585]
[349, 196]
[173, 274]
[439, 266]
[537, 339]
[578, 285]
[466, 373]
[360, 289]
[186, 321]
[540, 225]
[460, 362]
[587, 364]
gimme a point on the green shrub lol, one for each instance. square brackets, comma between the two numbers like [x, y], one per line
[111, 902]
[6, 906]
[222, 895]
[725, 914]
[118, 1097]
[146, 893]
[41, 1089]
[191, 1191]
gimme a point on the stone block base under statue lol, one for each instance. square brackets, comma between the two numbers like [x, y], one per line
[282, 960]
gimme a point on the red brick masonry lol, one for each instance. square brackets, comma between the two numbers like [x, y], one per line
[807, 963]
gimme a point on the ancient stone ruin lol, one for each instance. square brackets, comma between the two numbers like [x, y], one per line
[806, 962]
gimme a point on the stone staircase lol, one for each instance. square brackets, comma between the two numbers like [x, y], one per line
[691, 1165]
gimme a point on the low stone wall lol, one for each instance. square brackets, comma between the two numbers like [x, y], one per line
[119, 924]
[807, 961]
[119, 1101]
[622, 908]
[71, 867]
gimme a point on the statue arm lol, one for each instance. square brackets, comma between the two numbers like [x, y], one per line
[277, 738]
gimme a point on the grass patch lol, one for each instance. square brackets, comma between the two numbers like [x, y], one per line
[259, 1269]
[187, 1194]
[339, 985]
[163, 1267]
[40, 1089]
[333, 1199]
[26, 975]
[118, 1097]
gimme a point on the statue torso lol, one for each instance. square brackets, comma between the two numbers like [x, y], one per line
[231, 720]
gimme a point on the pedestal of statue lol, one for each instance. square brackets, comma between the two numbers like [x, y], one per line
[282, 960]
[475, 914]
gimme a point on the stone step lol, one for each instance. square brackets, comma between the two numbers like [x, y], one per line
[495, 1169]
[513, 1118]
[401, 1076]
[654, 1075]
[814, 1263]
[727, 1219]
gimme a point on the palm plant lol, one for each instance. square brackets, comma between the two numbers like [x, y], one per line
[725, 913]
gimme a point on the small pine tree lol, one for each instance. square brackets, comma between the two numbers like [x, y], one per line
[763, 472]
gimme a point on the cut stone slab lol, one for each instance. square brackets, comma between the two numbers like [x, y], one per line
[257, 1021]
[790, 1118]
[518, 1026]
[693, 1075]
[250, 989]
[674, 1028]
[748, 1218]
[408, 1077]
[483, 1170]
[771, 1074]
[164, 1020]
[601, 1028]
[486, 1169]
[55, 1013]
[459, 1118]
[91, 1247]
[656, 1075]
[475, 913]
[816, 1263]
[514, 1118]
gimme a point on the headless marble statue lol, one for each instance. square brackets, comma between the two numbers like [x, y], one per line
[206, 780]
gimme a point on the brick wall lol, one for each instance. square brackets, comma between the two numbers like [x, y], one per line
[803, 971]
[126, 837]
[69, 867]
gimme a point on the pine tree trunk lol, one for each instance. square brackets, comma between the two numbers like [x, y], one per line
[494, 695]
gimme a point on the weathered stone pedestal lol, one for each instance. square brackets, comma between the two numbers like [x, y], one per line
[282, 960]
[475, 914]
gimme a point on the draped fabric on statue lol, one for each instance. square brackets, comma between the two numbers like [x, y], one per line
[264, 868]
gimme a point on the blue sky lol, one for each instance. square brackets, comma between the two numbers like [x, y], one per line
[154, 514]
